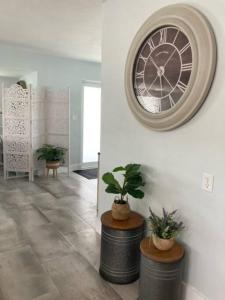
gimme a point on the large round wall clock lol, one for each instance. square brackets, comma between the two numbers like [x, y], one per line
[170, 67]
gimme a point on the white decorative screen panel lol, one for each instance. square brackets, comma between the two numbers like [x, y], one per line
[18, 108]
[17, 162]
[38, 125]
[58, 120]
[16, 129]
[16, 145]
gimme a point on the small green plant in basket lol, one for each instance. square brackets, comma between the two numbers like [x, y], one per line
[132, 181]
[165, 229]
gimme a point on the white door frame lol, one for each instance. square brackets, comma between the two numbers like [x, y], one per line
[86, 83]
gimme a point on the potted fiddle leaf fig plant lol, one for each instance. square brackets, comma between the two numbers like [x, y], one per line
[130, 184]
[164, 229]
[53, 155]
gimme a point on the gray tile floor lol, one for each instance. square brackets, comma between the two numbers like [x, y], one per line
[49, 242]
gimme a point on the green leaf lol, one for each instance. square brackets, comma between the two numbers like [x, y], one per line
[108, 178]
[136, 193]
[135, 180]
[111, 189]
[119, 169]
[132, 167]
[132, 170]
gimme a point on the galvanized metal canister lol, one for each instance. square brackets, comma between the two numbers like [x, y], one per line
[120, 249]
[160, 280]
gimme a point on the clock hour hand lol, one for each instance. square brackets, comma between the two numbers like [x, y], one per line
[154, 63]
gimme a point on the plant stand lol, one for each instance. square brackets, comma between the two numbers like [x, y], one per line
[160, 272]
[52, 165]
[54, 171]
[120, 248]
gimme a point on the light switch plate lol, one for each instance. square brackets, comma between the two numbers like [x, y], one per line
[207, 182]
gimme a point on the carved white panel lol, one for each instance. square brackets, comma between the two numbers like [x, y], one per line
[17, 162]
[17, 103]
[17, 135]
[16, 92]
[16, 145]
[17, 108]
[16, 127]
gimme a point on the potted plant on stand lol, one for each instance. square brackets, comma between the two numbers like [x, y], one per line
[164, 229]
[53, 155]
[131, 182]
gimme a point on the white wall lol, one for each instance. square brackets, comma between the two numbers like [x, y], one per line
[31, 78]
[7, 82]
[173, 161]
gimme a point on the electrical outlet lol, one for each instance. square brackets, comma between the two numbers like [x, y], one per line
[207, 182]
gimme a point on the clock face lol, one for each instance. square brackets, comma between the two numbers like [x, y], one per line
[162, 69]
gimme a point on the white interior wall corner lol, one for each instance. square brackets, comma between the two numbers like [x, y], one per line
[190, 293]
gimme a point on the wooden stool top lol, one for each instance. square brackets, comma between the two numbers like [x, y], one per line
[150, 251]
[135, 221]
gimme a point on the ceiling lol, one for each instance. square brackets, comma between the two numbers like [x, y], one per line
[68, 28]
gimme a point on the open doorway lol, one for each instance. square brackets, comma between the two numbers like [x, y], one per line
[90, 142]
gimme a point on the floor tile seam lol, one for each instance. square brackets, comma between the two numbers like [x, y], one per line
[80, 216]
[42, 213]
[74, 213]
[71, 232]
[16, 248]
[89, 266]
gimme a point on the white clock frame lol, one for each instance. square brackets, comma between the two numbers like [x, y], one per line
[204, 52]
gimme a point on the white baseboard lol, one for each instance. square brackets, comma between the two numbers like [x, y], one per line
[83, 166]
[191, 293]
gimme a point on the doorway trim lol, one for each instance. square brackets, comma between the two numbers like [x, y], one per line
[86, 83]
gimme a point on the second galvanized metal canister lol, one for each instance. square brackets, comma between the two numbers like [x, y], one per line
[160, 274]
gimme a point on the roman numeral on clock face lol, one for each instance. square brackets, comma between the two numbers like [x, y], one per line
[151, 44]
[175, 38]
[172, 103]
[186, 67]
[139, 75]
[163, 36]
[185, 48]
[182, 87]
[143, 58]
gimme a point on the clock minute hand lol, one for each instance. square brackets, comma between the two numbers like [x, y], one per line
[169, 57]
